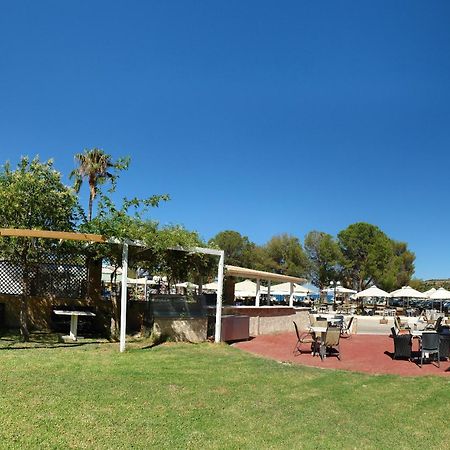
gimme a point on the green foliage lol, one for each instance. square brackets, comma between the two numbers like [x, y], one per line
[97, 167]
[285, 256]
[324, 256]
[238, 249]
[33, 197]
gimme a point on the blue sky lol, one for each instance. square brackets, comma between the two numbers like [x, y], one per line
[263, 117]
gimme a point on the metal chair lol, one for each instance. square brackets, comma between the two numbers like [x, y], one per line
[303, 338]
[429, 346]
[331, 341]
[402, 346]
[346, 330]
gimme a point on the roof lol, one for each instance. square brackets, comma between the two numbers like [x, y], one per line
[235, 271]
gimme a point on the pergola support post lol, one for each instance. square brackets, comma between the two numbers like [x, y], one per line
[258, 293]
[123, 297]
[218, 330]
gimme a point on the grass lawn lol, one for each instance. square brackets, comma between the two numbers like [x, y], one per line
[206, 396]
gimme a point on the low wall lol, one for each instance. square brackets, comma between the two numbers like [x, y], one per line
[271, 319]
[186, 329]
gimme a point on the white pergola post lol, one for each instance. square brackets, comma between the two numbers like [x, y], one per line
[268, 293]
[123, 297]
[291, 295]
[218, 330]
[258, 293]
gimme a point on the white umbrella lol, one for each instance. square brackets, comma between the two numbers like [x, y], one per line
[285, 289]
[430, 291]
[407, 292]
[247, 288]
[440, 294]
[373, 291]
[210, 286]
[339, 290]
[187, 285]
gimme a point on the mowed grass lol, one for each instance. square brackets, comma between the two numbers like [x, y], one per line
[181, 396]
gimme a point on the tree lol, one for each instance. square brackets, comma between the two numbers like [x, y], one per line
[33, 197]
[285, 256]
[97, 167]
[324, 258]
[368, 254]
[238, 249]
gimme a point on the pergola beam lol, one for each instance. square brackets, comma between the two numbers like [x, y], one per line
[45, 234]
[235, 271]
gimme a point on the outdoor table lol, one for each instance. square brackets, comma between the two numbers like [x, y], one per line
[321, 331]
[73, 320]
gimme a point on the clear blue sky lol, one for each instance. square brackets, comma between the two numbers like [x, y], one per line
[263, 117]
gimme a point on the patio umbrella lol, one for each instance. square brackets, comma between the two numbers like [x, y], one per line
[247, 288]
[285, 289]
[430, 291]
[440, 295]
[371, 292]
[210, 286]
[408, 292]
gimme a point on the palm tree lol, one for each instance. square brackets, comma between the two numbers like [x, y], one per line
[94, 165]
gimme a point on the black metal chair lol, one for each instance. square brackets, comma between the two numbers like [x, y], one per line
[303, 338]
[402, 346]
[429, 346]
[444, 346]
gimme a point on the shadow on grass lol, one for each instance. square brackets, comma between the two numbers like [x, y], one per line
[11, 340]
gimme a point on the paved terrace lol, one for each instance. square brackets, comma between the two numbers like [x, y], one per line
[368, 353]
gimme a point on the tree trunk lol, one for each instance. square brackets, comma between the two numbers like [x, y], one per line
[24, 332]
[114, 329]
[91, 201]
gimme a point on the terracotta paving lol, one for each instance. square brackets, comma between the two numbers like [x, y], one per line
[361, 353]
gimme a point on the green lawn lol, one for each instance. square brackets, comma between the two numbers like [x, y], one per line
[206, 396]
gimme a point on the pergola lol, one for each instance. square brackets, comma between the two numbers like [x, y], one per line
[88, 237]
[259, 275]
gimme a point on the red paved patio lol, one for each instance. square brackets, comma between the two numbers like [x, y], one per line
[361, 353]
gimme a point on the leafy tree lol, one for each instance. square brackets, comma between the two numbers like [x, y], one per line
[97, 167]
[238, 249]
[285, 256]
[33, 197]
[368, 254]
[324, 257]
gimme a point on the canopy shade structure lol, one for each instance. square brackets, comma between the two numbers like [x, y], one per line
[430, 291]
[373, 291]
[248, 288]
[142, 281]
[285, 289]
[210, 286]
[340, 290]
[243, 272]
[126, 245]
[407, 292]
[440, 294]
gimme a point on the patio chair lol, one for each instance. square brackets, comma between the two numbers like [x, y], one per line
[402, 346]
[435, 325]
[331, 341]
[400, 327]
[303, 338]
[346, 330]
[444, 346]
[429, 346]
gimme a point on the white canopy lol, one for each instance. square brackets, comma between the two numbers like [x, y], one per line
[142, 281]
[247, 288]
[340, 290]
[210, 286]
[285, 289]
[407, 292]
[440, 294]
[373, 291]
[430, 291]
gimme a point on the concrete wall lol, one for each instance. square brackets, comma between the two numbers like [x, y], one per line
[187, 329]
[272, 319]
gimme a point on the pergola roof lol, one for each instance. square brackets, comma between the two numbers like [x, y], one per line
[243, 272]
